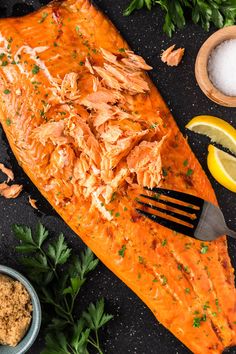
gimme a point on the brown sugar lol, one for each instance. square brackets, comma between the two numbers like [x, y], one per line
[15, 311]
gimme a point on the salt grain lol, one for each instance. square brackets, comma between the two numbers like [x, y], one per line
[222, 67]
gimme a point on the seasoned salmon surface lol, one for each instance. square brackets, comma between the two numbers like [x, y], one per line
[91, 130]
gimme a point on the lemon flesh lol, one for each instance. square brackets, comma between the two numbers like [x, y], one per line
[216, 129]
[222, 167]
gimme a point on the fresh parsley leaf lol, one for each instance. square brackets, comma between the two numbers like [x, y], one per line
[40, 235]
[84, 264]
[56, 343]
[80, 337]
[218, 12]
[58, 289]
[58, 251]
[95, 316]
[23, 233]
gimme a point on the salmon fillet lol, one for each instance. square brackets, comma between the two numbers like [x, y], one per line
[91, 130]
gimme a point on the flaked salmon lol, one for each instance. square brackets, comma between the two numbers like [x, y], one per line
[172, 56]
[91, 130]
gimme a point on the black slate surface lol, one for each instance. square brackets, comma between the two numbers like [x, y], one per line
[134, 329]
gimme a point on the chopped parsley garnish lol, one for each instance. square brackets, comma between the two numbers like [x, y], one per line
[74, 54]
[187, 290]
[113, 197]
[2, 56]
[77, 29]
[187, 269]
[121, 50]
[206, 306]
[204, 248]
[164, 242]
[121, 252]
[153, 126]
[164, 280]
[189, 172]
[8, 121]
[179, 266]
[164, 172]
[155, 280]
[196, 322]
[43, 18]
[6, 92]
[81, 63]
[185, 163]
[117, 215]
[4, 63]
[55, 44]
[140, 259]
[35, 69]
[187, 246]
[125, 209]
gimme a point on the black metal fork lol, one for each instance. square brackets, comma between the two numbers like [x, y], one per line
[194, 217]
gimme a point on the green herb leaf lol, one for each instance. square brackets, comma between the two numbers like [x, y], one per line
[121, 252]
[23, 233]
[58, 289]
[204, 248]
[43, 18]
[58, 251]
[189, 172]
[218, 12]
[35, 69]
[95, 316]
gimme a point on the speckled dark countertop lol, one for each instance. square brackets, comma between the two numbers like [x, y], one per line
[134, 329]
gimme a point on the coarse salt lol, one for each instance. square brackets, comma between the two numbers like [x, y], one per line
[222, 67]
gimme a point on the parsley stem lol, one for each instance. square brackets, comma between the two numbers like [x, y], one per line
[96, 333]
[95, 345]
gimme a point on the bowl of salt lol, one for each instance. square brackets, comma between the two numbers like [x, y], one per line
[215, 67]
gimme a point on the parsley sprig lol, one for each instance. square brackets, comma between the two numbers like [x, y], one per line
[218, 12]
[58, 277]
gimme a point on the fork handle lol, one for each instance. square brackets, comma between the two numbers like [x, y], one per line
[230, 233]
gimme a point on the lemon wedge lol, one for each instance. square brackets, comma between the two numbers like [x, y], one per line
[222, 167]
[215, 128]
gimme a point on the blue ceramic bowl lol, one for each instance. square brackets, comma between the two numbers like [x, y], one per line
[33, 330]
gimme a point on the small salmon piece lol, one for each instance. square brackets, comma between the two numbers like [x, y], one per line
[69, 87]
[89, 66]
[53, 131]
[145, 161]
[11, 192]
[7, 171]
[172, 57]
[135, 61]
[33, 203]
[3, 186]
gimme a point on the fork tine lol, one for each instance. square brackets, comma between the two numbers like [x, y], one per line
[184, 197]
[168, 223]
[169, 212]
[187, 209]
